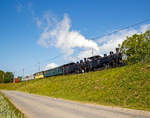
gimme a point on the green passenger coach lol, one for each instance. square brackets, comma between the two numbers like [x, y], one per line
[53, 72]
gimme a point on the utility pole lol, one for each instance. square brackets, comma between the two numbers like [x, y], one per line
[14, 78]
[39, 67]
[92, 48]
[23, 72]
[3, 78]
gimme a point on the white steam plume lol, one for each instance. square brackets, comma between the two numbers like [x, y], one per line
[50, 66]
[110, 42]
[62, 37]
[59, 35]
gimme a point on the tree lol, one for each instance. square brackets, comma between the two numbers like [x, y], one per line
[2, 74]
[6, 77]
[20, 78]
[137, 47]
[9, 76]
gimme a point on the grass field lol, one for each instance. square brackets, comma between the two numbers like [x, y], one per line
[7, 110]
[127, 86]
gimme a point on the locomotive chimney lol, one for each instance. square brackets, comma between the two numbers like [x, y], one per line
[105, 55]
[111, 52]
[84, 59]
[117, 50]
[81, 61]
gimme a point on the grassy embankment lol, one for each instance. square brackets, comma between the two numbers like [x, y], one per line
[7, 110]
[127, 86]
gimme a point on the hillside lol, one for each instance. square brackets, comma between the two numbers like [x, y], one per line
[127, 86]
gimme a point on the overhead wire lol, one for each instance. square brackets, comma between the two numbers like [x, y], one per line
[127, 27]
[107, 34]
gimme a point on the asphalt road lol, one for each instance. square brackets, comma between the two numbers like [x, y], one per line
[35, 106]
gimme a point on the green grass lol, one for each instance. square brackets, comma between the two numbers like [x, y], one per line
[7, 110]
[127, 86]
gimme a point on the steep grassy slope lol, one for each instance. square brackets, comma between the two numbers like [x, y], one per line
[126, 86]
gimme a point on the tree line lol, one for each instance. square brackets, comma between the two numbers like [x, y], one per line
[136, 48]
[6, 77]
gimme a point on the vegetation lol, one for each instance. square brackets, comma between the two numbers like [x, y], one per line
[126, 86]
[6, 77]
[1, 76]
[137, 47]
[7, 110]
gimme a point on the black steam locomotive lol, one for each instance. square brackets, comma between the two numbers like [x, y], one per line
[88, 64]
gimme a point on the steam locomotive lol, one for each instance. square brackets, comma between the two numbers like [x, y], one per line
[88, 64]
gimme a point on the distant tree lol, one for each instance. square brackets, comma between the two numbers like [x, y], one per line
[20, 78]
[137, 47]
[2, 74]
[9, 76]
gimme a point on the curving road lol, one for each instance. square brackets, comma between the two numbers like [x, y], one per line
[35, 106]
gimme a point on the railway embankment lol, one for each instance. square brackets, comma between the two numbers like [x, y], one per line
[127, 86]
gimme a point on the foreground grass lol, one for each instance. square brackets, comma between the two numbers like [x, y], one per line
[127, 86]
[7, 110]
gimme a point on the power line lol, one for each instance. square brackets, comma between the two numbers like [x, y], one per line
[39, 63]
[133, 25]
[127, 27]
[53, 58]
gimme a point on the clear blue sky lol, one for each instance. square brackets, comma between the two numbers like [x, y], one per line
[19, 32]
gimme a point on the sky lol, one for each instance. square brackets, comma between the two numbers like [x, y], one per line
[41, 34]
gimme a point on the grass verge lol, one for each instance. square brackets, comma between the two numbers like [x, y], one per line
[127, 86]
[7, 110]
